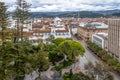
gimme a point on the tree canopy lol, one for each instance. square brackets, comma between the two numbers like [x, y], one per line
[57, 41]
[71, 49]
[3, 20]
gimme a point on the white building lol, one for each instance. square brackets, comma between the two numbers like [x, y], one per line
[93, 24]
[57, 21]
[100, 39]
[57, 29]
[74, 26]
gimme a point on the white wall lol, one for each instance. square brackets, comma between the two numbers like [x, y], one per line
[94, 40]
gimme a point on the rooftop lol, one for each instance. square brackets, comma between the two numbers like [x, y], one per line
[94, 24]
[102, 35]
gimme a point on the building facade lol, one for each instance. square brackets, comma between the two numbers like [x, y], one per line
[43, 29]
[114, 38]
[100, 39]
[85, 30]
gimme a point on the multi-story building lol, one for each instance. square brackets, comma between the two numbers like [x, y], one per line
[100, 39]
[43, 29]
[85, 30]
[114, 38]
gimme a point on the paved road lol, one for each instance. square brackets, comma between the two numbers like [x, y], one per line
[88, 54]
[93, 58]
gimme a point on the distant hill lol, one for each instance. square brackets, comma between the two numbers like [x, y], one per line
[46, 14]
[108, 11]
[82, 14]
[116, 14]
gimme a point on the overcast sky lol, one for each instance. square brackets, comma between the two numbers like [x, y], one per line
[67, 5]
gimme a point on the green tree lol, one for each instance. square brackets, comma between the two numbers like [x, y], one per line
[14, 60]
[21, 13]
[80, 76]
[112, 62]
[54, 55]
[76, 76]
[50, 47]
[71, 49]
[3, 20]
[57, 41]
[40, 62]
[41, 45]
[50, 38]
[23, 64]
[6, 58]
[31, 61]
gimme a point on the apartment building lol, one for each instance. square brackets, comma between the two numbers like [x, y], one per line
[85, 29]
[101, 40]
[114, 38]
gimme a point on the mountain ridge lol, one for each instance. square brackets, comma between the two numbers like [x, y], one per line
[81, 14]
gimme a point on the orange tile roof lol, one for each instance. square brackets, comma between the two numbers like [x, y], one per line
[66, 30]
[27, 34]
[42, 31]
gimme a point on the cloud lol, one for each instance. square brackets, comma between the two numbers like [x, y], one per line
[68, 5]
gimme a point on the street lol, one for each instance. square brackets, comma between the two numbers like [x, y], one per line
[93, 58]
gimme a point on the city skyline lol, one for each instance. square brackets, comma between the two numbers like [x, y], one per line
[59, 40]
[66, 5]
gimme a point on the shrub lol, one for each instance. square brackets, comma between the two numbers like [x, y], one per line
[59, 67]
[67, 63]
[113, 63]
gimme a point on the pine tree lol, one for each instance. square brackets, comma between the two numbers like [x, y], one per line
[3, 20]
[21, 14]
